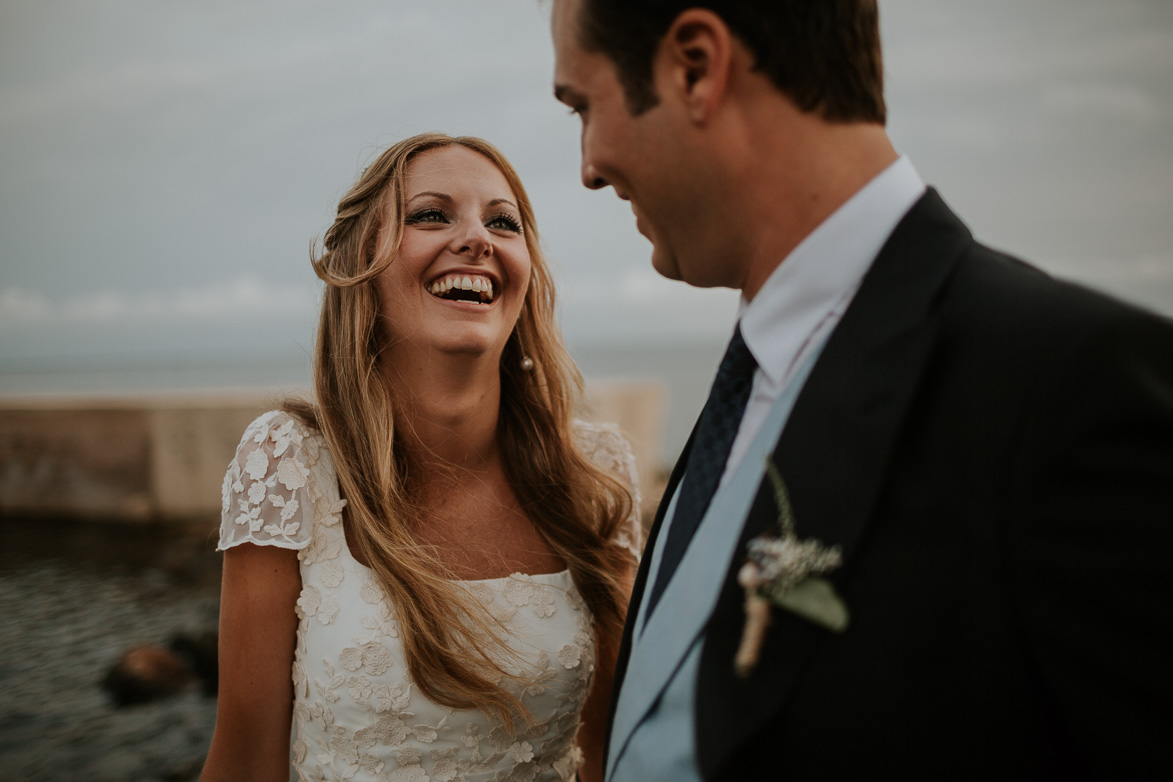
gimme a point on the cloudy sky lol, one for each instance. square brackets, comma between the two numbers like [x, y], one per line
[164, 165]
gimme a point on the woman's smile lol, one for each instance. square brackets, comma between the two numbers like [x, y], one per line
[472, 288]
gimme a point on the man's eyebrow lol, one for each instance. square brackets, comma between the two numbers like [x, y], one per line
[565, 94]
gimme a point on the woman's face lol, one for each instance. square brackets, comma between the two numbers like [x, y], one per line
[463, 268]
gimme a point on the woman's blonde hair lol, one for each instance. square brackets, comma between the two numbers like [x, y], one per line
[453, 654]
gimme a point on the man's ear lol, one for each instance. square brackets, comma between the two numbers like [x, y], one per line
[697, 52]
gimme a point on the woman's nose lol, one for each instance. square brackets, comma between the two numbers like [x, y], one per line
[473, 240]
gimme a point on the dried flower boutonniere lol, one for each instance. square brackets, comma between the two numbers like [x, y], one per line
[786, 571]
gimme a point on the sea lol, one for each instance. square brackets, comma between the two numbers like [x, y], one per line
[683, 370]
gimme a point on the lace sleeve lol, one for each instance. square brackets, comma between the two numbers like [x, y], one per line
[265, 489]
[606, 447]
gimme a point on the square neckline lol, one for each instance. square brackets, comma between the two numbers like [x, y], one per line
[364, 570]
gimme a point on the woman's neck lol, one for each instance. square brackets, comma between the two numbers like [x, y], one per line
[447, 405]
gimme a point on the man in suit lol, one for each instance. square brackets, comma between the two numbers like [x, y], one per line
[989, 451]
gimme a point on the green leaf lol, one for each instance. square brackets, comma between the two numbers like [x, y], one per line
[815, 600]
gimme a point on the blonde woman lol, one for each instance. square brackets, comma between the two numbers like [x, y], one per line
[437, 553]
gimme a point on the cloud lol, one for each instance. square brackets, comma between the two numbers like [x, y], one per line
[1005, 44]
[1140, 268]
[226, 54]
[21, 306]
[1145, 279]
[642, 307]
[108, 91]
[244, 298]
[1106, 99]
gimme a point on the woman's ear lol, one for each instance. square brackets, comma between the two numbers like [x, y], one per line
[694, 60]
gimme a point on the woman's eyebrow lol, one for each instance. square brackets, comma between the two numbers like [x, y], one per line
[448, 198]
[432, 194]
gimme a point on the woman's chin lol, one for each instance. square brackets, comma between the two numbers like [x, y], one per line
[467, 341]
[471, 345]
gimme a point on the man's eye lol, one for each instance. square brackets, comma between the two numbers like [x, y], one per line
[426, 216]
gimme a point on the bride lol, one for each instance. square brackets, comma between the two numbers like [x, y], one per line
[426, 573]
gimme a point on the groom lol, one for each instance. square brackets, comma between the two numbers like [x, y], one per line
[984, 455]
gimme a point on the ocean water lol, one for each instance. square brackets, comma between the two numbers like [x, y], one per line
[684, 370]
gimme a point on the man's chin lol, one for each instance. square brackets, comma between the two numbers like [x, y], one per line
[665, 264]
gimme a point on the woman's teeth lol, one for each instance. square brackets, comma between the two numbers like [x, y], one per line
[457, 287]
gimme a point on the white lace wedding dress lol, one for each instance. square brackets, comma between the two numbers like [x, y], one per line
[357, 715]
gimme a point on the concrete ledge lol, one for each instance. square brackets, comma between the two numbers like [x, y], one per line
[129, 459]
[162, 458]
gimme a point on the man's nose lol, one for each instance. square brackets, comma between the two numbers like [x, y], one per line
[591, 178]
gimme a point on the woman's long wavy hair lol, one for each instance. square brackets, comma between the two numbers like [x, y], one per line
[453, 653]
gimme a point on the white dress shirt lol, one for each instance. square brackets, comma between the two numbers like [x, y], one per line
[802, 301]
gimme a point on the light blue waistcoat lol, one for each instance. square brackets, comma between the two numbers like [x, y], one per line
[654, 739]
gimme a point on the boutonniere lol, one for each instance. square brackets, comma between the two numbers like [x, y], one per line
[786, 572]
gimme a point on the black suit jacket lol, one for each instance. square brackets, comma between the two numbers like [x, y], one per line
[993, 451]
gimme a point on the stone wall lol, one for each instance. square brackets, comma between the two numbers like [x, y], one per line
[162, 459]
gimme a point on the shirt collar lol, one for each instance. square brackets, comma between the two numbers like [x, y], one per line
[825, 269]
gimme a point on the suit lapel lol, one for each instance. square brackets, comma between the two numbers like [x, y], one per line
[834, 455]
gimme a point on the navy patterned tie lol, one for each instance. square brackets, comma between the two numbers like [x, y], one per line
[719, 422]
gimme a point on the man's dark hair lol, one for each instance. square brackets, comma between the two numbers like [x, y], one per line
[823, 54]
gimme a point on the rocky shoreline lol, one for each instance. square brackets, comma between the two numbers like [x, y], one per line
[73, 598]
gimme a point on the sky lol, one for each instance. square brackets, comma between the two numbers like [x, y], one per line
[164, 166]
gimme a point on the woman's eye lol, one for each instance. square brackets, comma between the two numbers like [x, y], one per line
[426, 216]
[505, 222]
